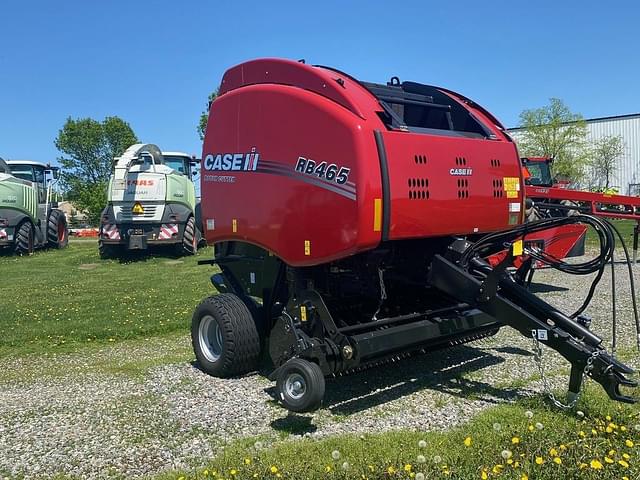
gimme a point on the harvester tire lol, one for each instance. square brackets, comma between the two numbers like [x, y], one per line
[300, 385]
[57, 231]
[189, 244]
[106, 251]
[224, 336]
[24, 239]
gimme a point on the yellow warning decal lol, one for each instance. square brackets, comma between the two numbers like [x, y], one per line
[307, 247]
[234, 225]
[303, 313]
[516, 248]
[511, 186]
[377, 214]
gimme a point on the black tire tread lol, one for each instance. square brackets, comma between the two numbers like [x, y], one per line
[242, 341]
[55, 217]
[186, 246]
[21, 245]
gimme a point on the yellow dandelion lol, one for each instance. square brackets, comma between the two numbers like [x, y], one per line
[391, 470]
[509, 461]
[628, 443]
[407, 467]
[583, 466]
[516, 464]
[484, 475]
[582, 434]
[594, 431]
[563, 447]
[467, 441]
[539, 460]
[524, 477]
[274, 469]
[327, 468]
[608, 430]
[595, 464]
[608, 460]
[626, 456]
[623, 463]
[623, 428]
[497, 469]
[515, 440]
[553, 452]
[557, 460]
[371, 469]
[233, 471]
[608, 418]
[612, 453]
[531, 427]
[247, 461]
[205, 473]
[625, 478]
[278, 475]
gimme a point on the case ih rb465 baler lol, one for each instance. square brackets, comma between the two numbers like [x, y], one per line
[351, 224]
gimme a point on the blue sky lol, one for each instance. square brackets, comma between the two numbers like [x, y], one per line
[153, 63]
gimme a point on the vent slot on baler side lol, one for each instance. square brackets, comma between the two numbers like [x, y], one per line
[418, 188]
[498, 188]
[463, 188]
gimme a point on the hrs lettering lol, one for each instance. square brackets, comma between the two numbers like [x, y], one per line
[331, 171]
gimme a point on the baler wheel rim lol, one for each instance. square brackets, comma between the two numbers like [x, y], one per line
[295, 385]
[211, 339]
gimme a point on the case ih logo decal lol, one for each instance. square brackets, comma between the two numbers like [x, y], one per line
[461, 172]
[330, 172]
[232, 162]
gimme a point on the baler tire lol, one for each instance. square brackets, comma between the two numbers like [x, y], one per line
[57, 231]
[106, 251]
[225, 319]
[189, 243]
[24, 239]
[310, 385]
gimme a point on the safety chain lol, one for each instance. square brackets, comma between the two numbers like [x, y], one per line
[537, 356]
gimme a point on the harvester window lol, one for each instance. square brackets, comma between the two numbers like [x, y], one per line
[425, 109]
[179, 164]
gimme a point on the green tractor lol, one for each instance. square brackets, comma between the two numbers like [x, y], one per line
[29, 219]
[151, 201]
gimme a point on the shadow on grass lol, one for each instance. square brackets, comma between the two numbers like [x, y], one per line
[443, 371]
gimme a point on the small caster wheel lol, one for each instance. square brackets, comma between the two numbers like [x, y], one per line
[300, 385]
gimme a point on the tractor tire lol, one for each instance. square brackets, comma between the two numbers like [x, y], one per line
[107, 251]
[300, 385]
[189, 244]
[24, 239]
[57, 231]
[224, 336]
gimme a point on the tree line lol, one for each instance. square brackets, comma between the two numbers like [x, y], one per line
[88, 148]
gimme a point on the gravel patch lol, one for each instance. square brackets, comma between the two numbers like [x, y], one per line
[88, 422]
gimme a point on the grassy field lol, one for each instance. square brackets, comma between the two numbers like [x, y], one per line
[522, 441]
[59, 300]
[625, 227]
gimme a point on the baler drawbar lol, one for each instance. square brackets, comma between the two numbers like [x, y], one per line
[353, 223]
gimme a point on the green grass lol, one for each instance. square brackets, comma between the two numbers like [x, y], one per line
[625, 227]
[399, 455]
[59, 300]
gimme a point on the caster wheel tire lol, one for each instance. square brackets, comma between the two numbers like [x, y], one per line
[300, 385]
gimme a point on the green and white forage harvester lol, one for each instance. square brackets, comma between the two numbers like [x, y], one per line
[29, 219]
[151, 200]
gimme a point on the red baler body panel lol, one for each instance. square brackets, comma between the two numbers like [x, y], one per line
[276, 119]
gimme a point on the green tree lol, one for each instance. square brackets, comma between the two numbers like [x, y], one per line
[204, 116]
[605, 155]
[88, 149]
[554, 131]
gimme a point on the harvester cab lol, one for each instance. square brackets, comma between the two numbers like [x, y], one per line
[151, 201]
[29, 216]
[352, 223]
[537, 171]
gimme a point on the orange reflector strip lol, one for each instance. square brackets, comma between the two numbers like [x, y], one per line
[307, 247]
[234, 225]
[377, 214]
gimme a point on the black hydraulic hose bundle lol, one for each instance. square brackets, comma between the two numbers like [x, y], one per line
[606, 232]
